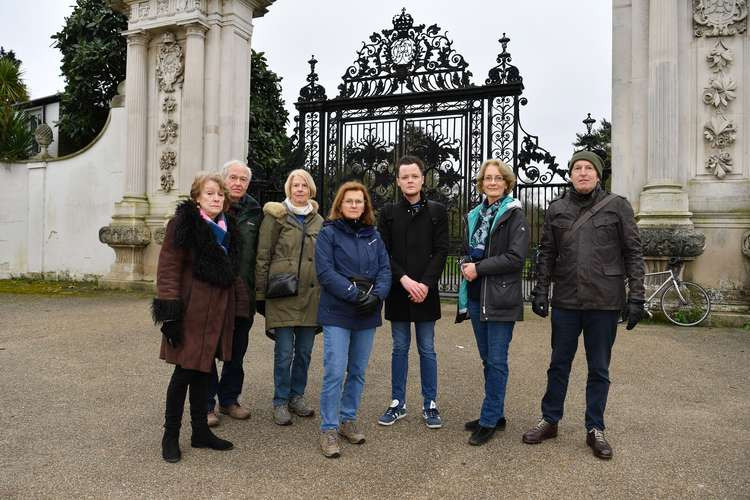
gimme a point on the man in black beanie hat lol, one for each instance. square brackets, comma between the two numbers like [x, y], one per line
[590, 244]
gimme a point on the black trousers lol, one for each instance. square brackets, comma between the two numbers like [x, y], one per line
[181, 380]
[599, 331]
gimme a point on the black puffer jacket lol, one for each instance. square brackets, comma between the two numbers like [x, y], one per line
[589, 269]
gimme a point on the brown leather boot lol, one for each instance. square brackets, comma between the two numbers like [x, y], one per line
[598, 443]
[541, 431]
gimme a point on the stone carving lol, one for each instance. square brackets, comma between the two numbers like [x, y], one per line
[159, 235]
[720, 57]
[170, 67]
[720, 132]
[720, 164]
[144, 10]
[44, 137]
[719, 17]
[663, 241]
[122, 235]
[167, 163]
[168, 131]
[746, 244]
[720, 91]
[162, 7]
[168, 104]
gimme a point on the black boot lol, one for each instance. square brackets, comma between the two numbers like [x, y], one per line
[170, 445]
[204, 438]
[481, 435]
[202, 435]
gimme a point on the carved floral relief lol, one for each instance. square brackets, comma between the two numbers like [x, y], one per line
[169, 74]
[170, 67]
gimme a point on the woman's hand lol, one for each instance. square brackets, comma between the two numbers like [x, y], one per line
[469, 271]
[417, 291]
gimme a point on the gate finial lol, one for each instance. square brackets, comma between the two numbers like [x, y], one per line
[504, 72]
[312, 91]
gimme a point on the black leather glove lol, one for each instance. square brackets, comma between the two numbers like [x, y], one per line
[366, 304]
[634, 313]
[260, 306]
[540, 303]
[172, 331]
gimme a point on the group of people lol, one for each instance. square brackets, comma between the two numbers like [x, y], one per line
[224, 258]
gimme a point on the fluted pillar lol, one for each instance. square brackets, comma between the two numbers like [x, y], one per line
[664, 200]
[192, 106]
[136, 104]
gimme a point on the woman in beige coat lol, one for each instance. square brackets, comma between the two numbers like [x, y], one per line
[286, 245]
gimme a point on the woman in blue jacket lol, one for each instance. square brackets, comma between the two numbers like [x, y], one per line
[355, 276]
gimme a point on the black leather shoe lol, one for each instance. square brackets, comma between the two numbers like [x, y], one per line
[481, 435]
[541, 431]
[598, 443]
[473, 425]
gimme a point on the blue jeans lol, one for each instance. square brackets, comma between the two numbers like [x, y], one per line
[493, 339]
[425, 333]
[599, 331]
[229, 386]
[345, 352]
[291, 359]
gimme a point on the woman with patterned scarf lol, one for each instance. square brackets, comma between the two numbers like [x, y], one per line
[195, 304]
[495, 248]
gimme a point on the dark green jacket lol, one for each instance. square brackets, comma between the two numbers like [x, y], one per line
[248, 214]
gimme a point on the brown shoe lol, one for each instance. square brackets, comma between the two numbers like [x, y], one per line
[235, 411]
[329, 444]
[349, 430]
[598, 443]
[212, 418]
[541, 431]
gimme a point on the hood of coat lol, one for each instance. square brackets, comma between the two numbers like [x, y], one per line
[210, 262]
[278, 210]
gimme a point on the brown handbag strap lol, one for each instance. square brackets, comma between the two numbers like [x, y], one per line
[589, 214]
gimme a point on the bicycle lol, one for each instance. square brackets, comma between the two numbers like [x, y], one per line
[684, 303]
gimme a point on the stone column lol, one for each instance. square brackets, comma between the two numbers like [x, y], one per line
[664, 200]
[212, 92]
[191, 144]
[128, 234]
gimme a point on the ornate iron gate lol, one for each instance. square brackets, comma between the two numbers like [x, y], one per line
[409, 91]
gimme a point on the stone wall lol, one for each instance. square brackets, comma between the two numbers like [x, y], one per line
[51, 212]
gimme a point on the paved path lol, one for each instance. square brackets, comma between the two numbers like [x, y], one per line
[82, 398]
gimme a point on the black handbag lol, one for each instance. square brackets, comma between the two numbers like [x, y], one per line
[286, 284]
[364, 285]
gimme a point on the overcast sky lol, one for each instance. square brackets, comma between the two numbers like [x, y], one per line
[562, 48]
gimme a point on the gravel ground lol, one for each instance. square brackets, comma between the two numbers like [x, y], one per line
[82, 401]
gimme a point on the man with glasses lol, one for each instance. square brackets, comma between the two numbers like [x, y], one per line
[415, 232]
[237, 177]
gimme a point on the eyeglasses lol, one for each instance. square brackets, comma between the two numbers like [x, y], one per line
[242, 179]
[353, 202]
[491, 178]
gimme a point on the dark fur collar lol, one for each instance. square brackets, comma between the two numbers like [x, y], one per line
[210, 263]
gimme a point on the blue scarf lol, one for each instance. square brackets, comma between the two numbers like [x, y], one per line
[220, 234]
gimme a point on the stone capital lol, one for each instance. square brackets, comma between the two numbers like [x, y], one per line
[137, 37]
[195, 28]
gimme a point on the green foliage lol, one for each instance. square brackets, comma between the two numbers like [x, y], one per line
[269, 146]
[16, 139]
[10, 55]
[93, 64]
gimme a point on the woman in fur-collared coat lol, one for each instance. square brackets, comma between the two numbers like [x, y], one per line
[195, 305]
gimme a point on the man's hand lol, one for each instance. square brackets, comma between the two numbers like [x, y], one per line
[417, 291]
[469, 270]
[634, 314]
[172, 331]
[540, 303]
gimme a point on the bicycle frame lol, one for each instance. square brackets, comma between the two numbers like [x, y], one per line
[672, 279]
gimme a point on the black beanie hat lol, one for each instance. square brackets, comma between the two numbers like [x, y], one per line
[594, 158]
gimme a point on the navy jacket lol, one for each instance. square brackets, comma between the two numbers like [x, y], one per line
[340, 254]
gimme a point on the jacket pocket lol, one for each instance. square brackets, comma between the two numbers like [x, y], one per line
[606, 229]
[503, 292]
[614, 270]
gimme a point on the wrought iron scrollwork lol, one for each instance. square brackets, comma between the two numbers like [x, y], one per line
[312, 91]
[536, 166]
[407, 57]
[504, 72]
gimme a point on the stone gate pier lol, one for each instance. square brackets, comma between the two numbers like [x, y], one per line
[681, 138]
[187, 96]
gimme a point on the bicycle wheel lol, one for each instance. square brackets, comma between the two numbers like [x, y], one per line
[688, 307]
